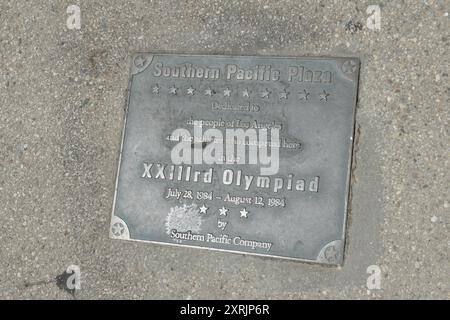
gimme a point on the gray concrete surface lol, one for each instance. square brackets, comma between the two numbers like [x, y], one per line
[61, 109]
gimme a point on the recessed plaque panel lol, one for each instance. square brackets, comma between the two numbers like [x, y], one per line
[246, 154]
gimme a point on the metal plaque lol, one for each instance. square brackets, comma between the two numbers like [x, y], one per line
[246, 154]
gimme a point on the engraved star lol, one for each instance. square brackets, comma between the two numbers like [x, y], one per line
[190, 91]
[331, 254]
[324, 96]
[283, 94]
[349, 66]
[117, 229]
[139, 61]
[246, 93]
[265, 94]
[155, 89]
[208, 92]
[203, 209]
[226, 92]
[173, 90]
[244, 213]
[223, 211]
[303, 95]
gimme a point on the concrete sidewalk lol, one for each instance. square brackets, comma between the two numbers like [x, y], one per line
[62, 103]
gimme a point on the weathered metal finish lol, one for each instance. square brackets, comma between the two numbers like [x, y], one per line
[298, 213]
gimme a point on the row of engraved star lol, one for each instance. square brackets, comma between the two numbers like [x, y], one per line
[224, 211]
[246, 93]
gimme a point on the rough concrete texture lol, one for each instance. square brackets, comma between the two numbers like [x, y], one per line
[62, 103]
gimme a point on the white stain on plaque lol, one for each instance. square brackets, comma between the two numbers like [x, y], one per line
[183, 219]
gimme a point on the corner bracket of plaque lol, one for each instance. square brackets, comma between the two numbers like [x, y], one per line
[139, 62]
[332, 253]
[349, 68]
[118, 229]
